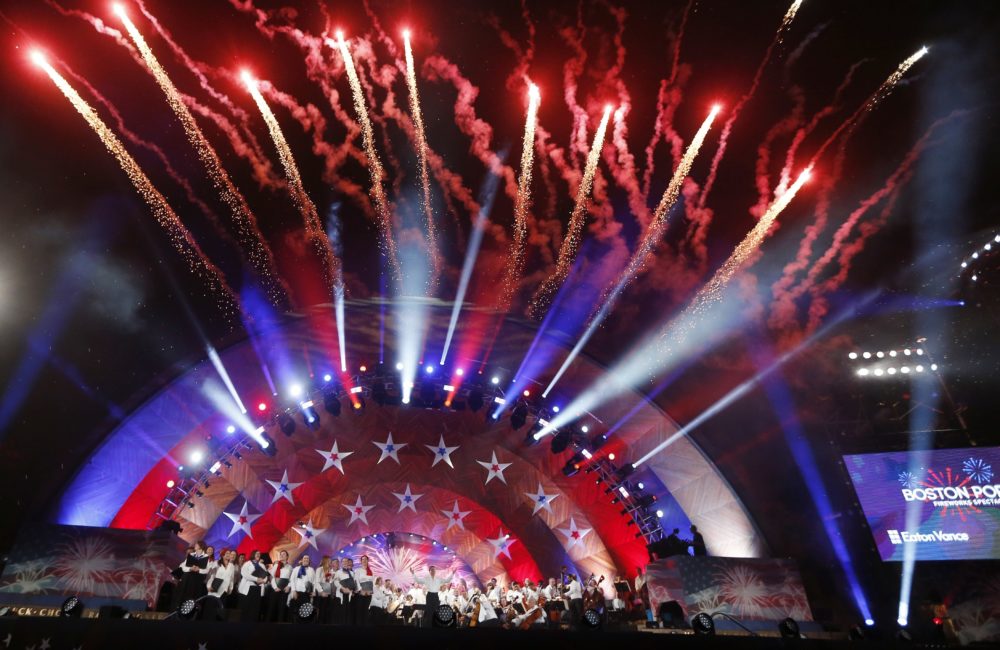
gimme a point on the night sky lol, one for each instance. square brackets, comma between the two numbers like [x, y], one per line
[93, 297]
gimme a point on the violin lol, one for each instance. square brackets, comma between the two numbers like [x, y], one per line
[535, 615]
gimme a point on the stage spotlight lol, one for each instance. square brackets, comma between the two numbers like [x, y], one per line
[870, 622]
[359, 406]
[295, 390]
[270, 449]
[789, 629]
[519, 416]
[171, 484]
[305, 613]
[196, 456]
[287, 424]
[188, 609]
[585, 429]
[444, 616]
[231, 429]
[597, 441]
[399, 366]
[262, 407]
[572, 466]
[560, 441]
[328, 377]
[591, 619]
[429, 370]
[611, 456]
[310, 417]
[659, 514]
[495, 380]
[529, 438]
[703, 624]
[331, 403]
[72, 607]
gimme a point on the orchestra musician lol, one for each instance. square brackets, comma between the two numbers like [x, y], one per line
[574, 594]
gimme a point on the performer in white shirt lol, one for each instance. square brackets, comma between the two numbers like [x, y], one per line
[281, 574]
[192, 582]
[346, 588]
[301, 584]
[487, 613]
[377, 603]
[323, 589]
[253, 578]
[366, 587]
[574, 592]
[433, 583]
[494, 592]
[221, 580]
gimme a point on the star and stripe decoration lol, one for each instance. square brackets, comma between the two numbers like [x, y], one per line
[574, 535]
[242, 520]
[442, 452]
[455, 516]
[359, 511]
[389, 449]
[541, 500]
[501, 545]
[494, 468]
[308, 534]
[333, 458]
[283, 489]
[407, 499]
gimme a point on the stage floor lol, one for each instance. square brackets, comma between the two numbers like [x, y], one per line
[17, 633]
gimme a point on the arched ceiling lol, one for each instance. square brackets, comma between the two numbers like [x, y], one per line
[124, 480]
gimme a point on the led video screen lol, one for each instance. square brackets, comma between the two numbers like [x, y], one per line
[954, 494]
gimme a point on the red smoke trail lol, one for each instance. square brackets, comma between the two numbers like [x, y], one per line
[735, 113]
[892, 184]
[667, 99]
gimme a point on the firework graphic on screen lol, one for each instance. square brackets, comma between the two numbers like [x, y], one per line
[978, 470]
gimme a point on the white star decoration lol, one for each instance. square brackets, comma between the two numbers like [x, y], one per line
[541, 500]
[442, 452]
[501, 545]
[334, 457]
[308, 534]
[496, 469]
[573, 534]
[407, 499]
[389, 449]
[455, 517]
[242, 521]
[358, 511]
[283, 489]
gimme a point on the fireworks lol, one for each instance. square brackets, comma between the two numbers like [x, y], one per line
[246, 224]
[421, 145]
[375, 170]
[515, 263]
[571, 241]
[889, 84]
[314, 226]
[978, 470]
[654, 232]
[180, 236]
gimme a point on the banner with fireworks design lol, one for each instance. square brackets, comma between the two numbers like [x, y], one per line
[746, 589]
[94, 563]
[953, 497]
[394, 555]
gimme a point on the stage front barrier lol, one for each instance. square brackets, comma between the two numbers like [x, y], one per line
[102, 566]
[753, 591]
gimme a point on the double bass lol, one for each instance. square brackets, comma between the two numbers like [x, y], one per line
[594, 600]
[474, 620]
[535, 615]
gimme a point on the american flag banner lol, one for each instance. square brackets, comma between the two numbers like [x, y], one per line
[744, 588]
[49, 559]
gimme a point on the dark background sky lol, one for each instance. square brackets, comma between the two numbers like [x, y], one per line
[90, 322]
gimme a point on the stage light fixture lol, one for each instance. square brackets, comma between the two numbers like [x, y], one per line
[399, 366]
[267, 444]
[331, 403]
[703, 624]
[188, 609]
[359, 406]
[286, 424]
[591, 619]
[444, 616]
[560, 441]
[571, 468]
[852, 355]
[305, 613]
[789, 629]
[519, 416]
[611, 456]
[262, 407]
[72, 607]
[868, 355]
[231, 429]
[640, 485]
[310, 417]
[328, 377]
[869, 622]
[196, 456]
[429, 370]
[585, 429]
[363, 369]
[475, 399]
[495, 380]
[170, 484]
[295, 391]
[659, 514]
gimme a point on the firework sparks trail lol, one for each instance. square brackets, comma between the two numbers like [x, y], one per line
[314, 226]
[248, 233]
[571, 242]
[624, 169]
[138, 141]
[421, 146]
[375, 170]
[515, 262]
[786, 22]
[653, 234]
[784, 309]
[180, 236]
